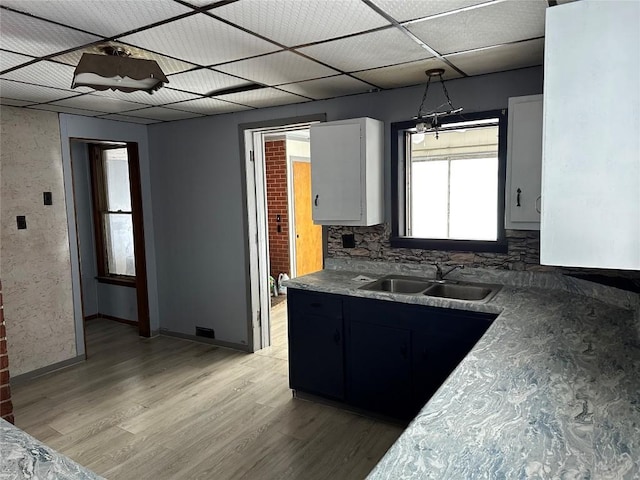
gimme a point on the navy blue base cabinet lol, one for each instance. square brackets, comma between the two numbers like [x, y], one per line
[316, 344]
[379, 356]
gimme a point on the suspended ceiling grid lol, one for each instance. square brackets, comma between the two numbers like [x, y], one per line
[229, 56]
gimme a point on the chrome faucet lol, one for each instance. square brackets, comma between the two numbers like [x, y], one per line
[440, 275]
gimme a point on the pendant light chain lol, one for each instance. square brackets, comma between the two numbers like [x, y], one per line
[424, 98]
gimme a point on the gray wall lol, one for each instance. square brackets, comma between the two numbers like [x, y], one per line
[199, 207]
[86, 242]
[107, 299]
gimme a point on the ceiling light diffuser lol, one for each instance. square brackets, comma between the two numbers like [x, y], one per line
[118, 71]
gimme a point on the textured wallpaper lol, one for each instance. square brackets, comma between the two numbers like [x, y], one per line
[34, 263]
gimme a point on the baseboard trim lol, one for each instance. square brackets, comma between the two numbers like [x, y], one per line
[211, 341]
[26, 377]
[111, 317]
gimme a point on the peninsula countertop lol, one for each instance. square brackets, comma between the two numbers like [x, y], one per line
[552, 390]
[22, 456]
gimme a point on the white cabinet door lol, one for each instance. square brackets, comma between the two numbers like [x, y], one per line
[524, 163]
[591, 159]
[336, 166]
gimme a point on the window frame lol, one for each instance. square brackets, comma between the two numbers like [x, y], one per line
[399, 189]
[99, 200]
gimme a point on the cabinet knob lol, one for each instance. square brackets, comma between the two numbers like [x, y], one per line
[518, 192]
[403, 350]
[316, 200]
[337, 336]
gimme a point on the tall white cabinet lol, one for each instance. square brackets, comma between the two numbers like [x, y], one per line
[346, 172]
[591, 136]
[524, 163]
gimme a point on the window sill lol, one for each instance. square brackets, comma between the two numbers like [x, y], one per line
[122, 281]
[455, 245]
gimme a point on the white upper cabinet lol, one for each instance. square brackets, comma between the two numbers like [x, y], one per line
[524, 163]
[591, 136]
[346, 172]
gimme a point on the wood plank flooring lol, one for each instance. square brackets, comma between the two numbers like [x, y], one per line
[168, 408]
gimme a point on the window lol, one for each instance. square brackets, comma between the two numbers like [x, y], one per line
[448, 191]
[112, 212]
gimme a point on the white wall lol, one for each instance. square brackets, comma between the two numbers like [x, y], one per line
[35, 263]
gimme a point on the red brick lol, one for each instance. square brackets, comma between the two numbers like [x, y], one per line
[6, 408]
[4, 377]
[9, 418]
[5, 392]
[3, 331]
[4, 361]
[3, 346]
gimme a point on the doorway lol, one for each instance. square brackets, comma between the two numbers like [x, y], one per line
[110, 235]
[284, 239]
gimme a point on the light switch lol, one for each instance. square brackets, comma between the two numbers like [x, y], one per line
[48, 199]
[21, 220]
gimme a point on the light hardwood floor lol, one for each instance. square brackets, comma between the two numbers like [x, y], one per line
[168, 408]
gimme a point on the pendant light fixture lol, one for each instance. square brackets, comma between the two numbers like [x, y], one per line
[429, 121]
[117, 70]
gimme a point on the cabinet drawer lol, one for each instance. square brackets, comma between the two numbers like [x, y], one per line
[320, 304]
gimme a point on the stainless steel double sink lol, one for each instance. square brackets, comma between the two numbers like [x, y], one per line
[468, 291]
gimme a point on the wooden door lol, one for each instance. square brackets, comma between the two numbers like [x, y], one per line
[308, 235]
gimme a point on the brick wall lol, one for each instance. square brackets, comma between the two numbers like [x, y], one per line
[6, 407]
[276, 173]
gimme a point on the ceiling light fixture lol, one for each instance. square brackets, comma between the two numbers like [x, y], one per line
[116, 70]
[429, 121]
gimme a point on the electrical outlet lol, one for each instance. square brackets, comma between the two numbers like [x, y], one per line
[349, 240]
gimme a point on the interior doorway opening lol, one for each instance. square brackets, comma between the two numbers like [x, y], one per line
[287, 243]
[107, 204]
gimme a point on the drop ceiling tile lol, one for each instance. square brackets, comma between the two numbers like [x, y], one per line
[167, 64]
[10, 60]
[277, 68]
[48, 74]
[369, 50]
[404, 10]
[204, 81]
[162, 113]
[106, 18]
[60, 109]
[99, 104]
[493, 24]
[405, 74]
[263, 97]
[32, 93]
[13, 103]
[159, 97]
[31, 36]
[328, 87]
[500, 58]
[299, 22]
[200, 39]
[125, 118]
[209, 106]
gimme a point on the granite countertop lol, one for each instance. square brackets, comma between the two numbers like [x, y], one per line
[552, 390]
[24, 457]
